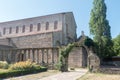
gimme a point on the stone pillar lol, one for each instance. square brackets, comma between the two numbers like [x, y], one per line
[42, 56]
[47, 55]
[55, 56]
[4, 55]
[17, 55]
[28, 53]
[13, 55]
[1, 55]
[24, 55]
[16, 59]
[27, 57]
[33, 54]
[38, 58]
[52, 56]
[10, 56]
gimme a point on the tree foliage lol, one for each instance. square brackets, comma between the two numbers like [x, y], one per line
[116, 46]
[88, 42]
[100, 28]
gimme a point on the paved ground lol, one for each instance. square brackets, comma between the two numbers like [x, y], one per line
[73, 75]
[53, 75]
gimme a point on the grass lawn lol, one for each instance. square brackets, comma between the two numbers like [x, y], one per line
[35, 76]
[99, 76]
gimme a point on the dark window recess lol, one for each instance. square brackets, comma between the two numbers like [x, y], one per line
[17, 29]
[23, 29]
[10, 30]
[47, 25]
[31, 27]
[4, 30]
[55, 24]
[38, 27]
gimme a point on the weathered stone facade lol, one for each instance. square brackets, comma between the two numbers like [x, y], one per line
[36, 38]
[38, 32]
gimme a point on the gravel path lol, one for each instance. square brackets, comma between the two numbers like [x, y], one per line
[53, 75]
[73, 75]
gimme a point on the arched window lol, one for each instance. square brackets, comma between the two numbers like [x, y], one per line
[31, 27]
[23, 28]
[38, 27]
[17, 29]
[47, 25]
[55, 24]
[10, 30]
[4, 30]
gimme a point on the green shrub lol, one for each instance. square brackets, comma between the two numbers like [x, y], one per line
[4, 65]
[13, 73]
[23, 65]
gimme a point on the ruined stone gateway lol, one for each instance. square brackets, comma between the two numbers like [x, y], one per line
[37, 39]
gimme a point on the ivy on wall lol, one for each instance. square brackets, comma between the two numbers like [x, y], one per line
[63, 59]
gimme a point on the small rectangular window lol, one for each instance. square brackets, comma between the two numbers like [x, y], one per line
[38, 27]
[47, 25]
[10, 30]
[55, 24]
[23, 28]
[4, 31]
[17, 29]
[31, 27]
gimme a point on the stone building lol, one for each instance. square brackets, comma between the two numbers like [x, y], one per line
[39, 32]
[36, 38]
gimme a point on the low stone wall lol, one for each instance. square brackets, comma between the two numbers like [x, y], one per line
[110, 70]
[112, 63]
[93, 62]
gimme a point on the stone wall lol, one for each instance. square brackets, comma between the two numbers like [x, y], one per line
[33, 41]
[93, 62]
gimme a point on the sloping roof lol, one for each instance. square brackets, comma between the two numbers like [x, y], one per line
[5, 47]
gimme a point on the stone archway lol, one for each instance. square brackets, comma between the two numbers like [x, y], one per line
[78, 57]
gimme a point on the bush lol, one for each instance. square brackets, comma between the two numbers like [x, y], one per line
[13, 73]
[4, 65]
[23, 65]
[20, 68]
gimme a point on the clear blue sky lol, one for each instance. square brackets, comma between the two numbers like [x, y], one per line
[19, 9]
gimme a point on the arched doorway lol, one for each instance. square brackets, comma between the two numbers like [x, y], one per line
[78, 57]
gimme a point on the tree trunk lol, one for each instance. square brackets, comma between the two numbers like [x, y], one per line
[64, 67]
[66, 64]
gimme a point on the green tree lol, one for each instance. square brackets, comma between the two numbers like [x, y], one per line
[116, 46]
[100, 28]
[89, 42]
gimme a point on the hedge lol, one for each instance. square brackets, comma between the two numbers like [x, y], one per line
[14, 73]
